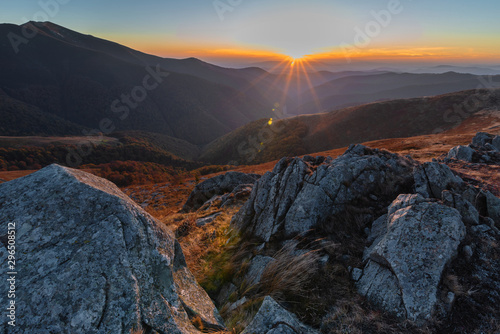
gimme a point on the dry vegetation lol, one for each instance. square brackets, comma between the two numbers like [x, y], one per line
[321, 295]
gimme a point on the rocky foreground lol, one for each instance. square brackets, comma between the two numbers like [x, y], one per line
[416, 241]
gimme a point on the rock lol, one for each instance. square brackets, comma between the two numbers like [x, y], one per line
[405, 266]
[296, 196]
[207, 220]
[356, 274]
[432, 178]
[379, 228]
[481, 139]
[273, 319]
[493, 207]
[93, 261]
[237, 304]
[240, 192]
[485, 148]
[468, 252]
[464, 153]
[225, 293]
[217, 185]
[403, 201]
[468, 212]
[496, 143]
[256, 269]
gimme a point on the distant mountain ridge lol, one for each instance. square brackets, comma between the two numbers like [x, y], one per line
[260, 142]
[78, 78]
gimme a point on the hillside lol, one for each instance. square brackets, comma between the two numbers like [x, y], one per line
[63, 75]
[260, 142]
[355, 90]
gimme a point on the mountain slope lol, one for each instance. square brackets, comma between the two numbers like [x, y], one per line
[260, 142]
[356, 90]
[78, 78]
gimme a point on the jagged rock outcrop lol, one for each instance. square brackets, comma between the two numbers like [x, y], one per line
[406, 261]
[91, 261]
[299, 193]
[274, 319]
[485, 148]
[432, 178]
[234, 184]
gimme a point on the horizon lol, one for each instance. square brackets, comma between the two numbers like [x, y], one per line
[399, 34]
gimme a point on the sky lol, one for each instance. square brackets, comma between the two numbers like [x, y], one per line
[401, 31]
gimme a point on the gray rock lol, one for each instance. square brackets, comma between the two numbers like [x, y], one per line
[256, 269]
[464, 153]
[403, 201]
[432, 178]
[207, 220]
[92, 261]
[237, 304]
[379, 228]
[481, 228]
[496, 143]
[379, 285]
[273, 319]
[356, 274]
[405, 266]
[481, 139]
[468, 252]
[296, 196]
[468, 212]
[225, 293]
[493, 207]
[218, 185]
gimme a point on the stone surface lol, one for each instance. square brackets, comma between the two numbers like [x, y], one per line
[225, 293]
[405, 266]
[485, 148]
[493, 207]
[496, 143]
[274, 319]
[218, 185]
[468, 212]
[207, 220]
[461, 152]
[379, 228]
[297, 194]
[256, 269]
[432, 178]
[92, 261]
[481, 139]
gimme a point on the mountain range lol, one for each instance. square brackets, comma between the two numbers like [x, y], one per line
[64, 83]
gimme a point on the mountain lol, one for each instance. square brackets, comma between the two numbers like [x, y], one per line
[84, 80]
[360, 89]
[477, 70]
[260, 141]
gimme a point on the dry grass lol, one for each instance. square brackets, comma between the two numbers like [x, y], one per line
[288, 274]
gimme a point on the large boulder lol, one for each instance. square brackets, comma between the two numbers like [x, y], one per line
[219, 185]
[274, 319]
[89, 260]
[300, 193]
[405, 264]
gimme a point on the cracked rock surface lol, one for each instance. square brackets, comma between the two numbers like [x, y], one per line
[406, 261]
[90, 260]
[299, 193]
